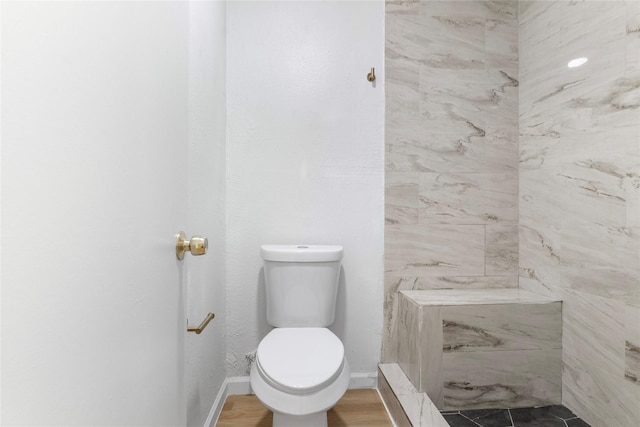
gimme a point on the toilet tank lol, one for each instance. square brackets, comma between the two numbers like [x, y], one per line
[301, 283]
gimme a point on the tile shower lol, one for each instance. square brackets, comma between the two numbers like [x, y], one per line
[507, 170]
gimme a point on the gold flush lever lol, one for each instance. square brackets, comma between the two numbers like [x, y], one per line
[372, 75]
[197, 245]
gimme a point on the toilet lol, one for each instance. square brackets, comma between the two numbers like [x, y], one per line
[300, 370]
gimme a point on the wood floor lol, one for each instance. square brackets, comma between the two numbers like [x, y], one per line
[356, 408]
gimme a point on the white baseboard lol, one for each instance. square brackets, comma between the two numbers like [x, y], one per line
[241, 385]
[230, 386]
[363, 380]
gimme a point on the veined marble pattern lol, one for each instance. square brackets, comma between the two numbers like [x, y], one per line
[451, 140]
[401, 198]
[499, 379]
[462, 333]
[468, 198]
[476, 88]
[580, 193]
[632, 344]
[395, 284]
[501, 254]
[500, 327]
[583, 258]
[409, 334]
[442, 250]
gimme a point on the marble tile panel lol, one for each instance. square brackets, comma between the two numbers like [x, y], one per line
[501, 152]
[417, 406]
[492, 327]
[538, 242]
[597, 256]
[583, 258]
[545, 148]
[402, 7]
[406, 35]
[584, 110]
[470, 198]
[575, 196]
[501, 252]
[402, 77]
[501, 35]
[498, 379]
[632, 362]
[436, 250]
[401, 198]
[526, 11]
[632, 344]
[456, 34]
[632, 29]
[590, 390]
[526, 283]
[571, 102]
[417, 150]
[632, 198]
[389, 328]
[408, 339]
[502, 106]
[593, 330]
[547, 30]
[475, 296]
[431, 341]
[455, 101]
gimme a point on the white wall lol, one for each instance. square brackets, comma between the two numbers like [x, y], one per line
[205, 353]
[305, 159]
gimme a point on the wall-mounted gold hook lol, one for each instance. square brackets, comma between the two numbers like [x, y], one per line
[372, 75]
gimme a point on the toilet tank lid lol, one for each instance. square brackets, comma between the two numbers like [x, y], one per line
[301, 253]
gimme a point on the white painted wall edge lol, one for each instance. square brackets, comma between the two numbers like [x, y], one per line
[241, 385]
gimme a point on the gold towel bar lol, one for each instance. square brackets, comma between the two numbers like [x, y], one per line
[203, 325]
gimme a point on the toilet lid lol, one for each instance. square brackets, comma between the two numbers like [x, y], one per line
[300, 360]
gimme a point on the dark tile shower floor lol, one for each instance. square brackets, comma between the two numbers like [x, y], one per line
[544, 416]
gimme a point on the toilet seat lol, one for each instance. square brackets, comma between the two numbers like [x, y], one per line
[300, 360]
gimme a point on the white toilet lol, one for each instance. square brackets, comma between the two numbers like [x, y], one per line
[300, 370]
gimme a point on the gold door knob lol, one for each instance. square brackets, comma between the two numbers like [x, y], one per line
[197, 245]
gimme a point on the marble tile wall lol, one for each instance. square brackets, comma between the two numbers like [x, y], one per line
[478, 98]
[579, 190]
[502, 349]
[451, 204]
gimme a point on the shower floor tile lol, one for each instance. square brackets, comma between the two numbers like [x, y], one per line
[544, 416]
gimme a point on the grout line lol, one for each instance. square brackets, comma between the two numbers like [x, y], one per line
[463, 415]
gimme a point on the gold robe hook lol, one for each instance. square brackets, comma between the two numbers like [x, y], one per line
[372, 75]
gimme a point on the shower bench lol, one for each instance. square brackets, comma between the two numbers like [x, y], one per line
[481, 348]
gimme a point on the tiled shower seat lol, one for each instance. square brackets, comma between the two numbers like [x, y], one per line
[481, 348]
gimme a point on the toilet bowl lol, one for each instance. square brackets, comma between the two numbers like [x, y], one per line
[300, 369]
[299, 374]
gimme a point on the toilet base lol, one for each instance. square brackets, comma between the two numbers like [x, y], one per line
[318, 419]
